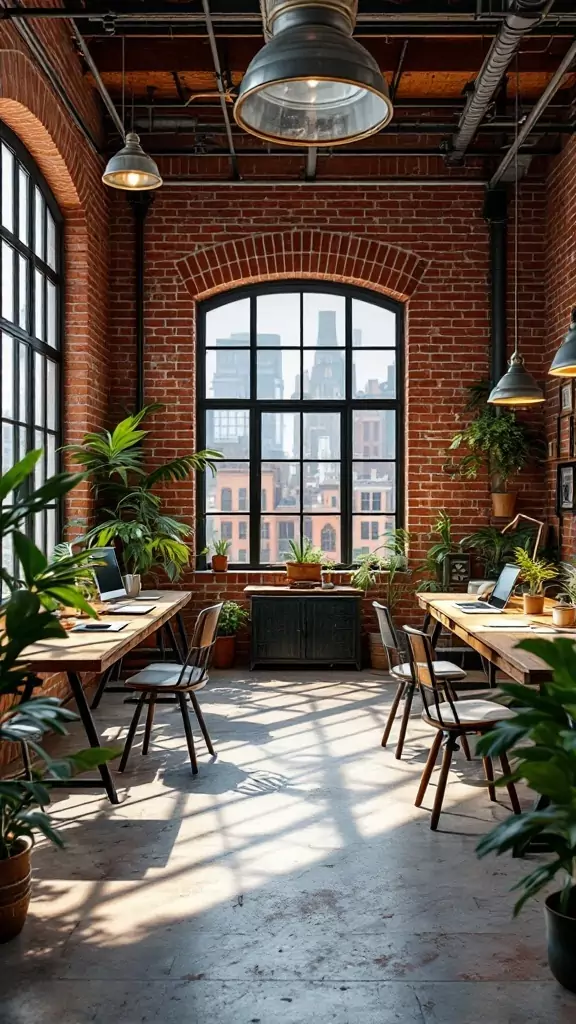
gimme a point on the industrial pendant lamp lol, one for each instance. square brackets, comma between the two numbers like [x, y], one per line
[517, 386]
[131, 168]
[564, 362]
[313, 84]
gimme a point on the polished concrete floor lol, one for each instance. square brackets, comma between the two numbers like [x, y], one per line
[291, 882]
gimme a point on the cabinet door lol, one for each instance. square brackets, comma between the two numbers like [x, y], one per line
[331, 629]
[276, 629]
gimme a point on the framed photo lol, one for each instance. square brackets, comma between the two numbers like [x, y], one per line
[565, 490]
[566, 398]
[552, 449]
[565, 438]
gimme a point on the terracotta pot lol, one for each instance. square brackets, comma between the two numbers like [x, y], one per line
[14, 891]
[224, 652]
[503, 504]
[378, 655]
[561, 932]
[533, 604]
[219, 563]
[310, 572]
[564, 615]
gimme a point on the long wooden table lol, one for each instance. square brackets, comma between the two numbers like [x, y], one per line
[488, 635]
[98, 652]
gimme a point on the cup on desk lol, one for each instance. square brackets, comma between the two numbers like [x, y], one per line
[564, 615]
[132, 584]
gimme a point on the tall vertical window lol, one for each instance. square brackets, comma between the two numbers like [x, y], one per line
[300, 388]
[30, 318]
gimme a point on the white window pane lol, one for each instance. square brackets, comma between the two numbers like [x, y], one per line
[51, 313]
[23, 381]
[40, 467]
[324, 374]
[228, 374]
[23, 211]
[51, 396]
[39, 305]
[50, 240]
[229, 489]
[22, 442]
[276, 532]
[7, 376]
[23, 292]
[372, 326]
[324, 320]
[50, 455]
[321, 486]
[228, 432]
[7, 281]
[374, 374]
[321, 435]
[229, 326]
[280, 435]
[51, 530]
[278, 319]
[39, 206]
[7, 446]
[374, 434]
[280, 486]
[278, 374]
[38, 389]
[374, 486]
[7, 188]
[39, 520]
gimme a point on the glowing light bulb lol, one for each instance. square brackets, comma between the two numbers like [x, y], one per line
[132, 179]
[312, 82]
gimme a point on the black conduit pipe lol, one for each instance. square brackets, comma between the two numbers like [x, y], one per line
[496, 214]
[140, 203]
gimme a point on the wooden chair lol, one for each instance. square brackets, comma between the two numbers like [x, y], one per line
[454, 719]
[179, 680]
[446, 672]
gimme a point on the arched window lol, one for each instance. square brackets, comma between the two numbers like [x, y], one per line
[30, 320]
[300, 386]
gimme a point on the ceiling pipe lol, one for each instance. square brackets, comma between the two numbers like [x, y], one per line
[522, 17]
[106, 97]
[220, 85]
[550, 90]
[332, 183]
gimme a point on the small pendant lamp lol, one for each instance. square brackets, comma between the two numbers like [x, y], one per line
[564, 362]
[131, 169]
[517, 386]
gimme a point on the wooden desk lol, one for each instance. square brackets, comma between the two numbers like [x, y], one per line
[98, 652]
[497, 646]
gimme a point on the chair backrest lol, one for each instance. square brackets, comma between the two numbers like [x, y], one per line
[387, 632]
[203, 638]
[422, 664]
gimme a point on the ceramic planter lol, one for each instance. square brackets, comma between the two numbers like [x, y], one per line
[533, 604]
[304, 572]
[564, 615]
[224, 652]
[561, 932]
[15, 874]
[132, 584]
[503, 504]
[219, 563]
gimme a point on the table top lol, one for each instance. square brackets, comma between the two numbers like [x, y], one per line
[95, 652]
[492, 637]
[271, 591]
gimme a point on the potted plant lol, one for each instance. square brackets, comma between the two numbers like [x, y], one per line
[374, 570]
[495, 441]
[29, 614]
[494, 548]
[232, 618]
[564, 614]
[305, 564]
[220, 557]
[433, 564]
[542, 741]
[328, 566]
[534, 572]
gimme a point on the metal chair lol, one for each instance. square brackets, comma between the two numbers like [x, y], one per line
[179, 680]
[454, 719]
[445, 671]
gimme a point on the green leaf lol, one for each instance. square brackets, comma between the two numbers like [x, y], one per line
[71, 597]
[16, 476]
[32, 560]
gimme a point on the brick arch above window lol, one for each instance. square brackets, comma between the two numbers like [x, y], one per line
[322, 255]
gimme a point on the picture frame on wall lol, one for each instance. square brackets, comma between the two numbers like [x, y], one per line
[565, 503]
[565, 437]
[553, 449]
[566, 398]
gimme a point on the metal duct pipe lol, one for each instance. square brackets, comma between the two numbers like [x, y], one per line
[496, 214]
[522, 17]
[140, 203]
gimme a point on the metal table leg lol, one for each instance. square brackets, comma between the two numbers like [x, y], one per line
[182, 631]
[85, 714]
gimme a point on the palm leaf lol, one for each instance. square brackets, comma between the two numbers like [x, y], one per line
[181, 468]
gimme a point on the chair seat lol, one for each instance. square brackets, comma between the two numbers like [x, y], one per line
[442, 669]
[156, 677]
[470, 712]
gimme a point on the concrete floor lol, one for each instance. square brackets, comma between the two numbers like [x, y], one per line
[292, 881]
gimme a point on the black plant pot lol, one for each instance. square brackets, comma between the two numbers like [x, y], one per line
[561, 931]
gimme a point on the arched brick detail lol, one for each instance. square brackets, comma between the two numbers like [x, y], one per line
[328, 255]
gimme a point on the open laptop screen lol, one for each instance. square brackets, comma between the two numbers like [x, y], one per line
[108, 576]
[504, 586]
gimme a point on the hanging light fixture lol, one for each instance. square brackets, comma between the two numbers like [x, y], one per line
[131, 169]
[312, 84]
[517, 386]
[564, 362]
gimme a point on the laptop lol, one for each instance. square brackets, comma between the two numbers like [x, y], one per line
[499, 597]
[111, 585]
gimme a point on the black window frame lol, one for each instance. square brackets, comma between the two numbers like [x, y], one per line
[26, 336]
[345, 406]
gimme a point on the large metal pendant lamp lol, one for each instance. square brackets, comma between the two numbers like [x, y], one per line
[517, 386]
[564, 362]
[313, 84]
[131, 169]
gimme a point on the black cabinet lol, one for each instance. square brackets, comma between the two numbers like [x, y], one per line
[304, 629]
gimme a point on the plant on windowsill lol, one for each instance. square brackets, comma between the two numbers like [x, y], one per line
[132, 514]
[328, 567]
[541, 741]
[232, 618]
[219, 559]
[534, 572]
[305, 564]
[28, 615]
[564, 613]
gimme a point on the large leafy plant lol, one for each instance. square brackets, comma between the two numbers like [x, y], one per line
[534, 572]
[232, 618]
[431, 567]
[494, 548]
[30, 597]
[495, 441]
[132, 512]
[382, 567]
[542, 741]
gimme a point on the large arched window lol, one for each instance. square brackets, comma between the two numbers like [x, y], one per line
[30, 320]
[300, 387]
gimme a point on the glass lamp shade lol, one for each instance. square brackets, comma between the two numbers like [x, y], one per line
[517, 386]
[564, 362]
[313, 85]
[131, 168]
